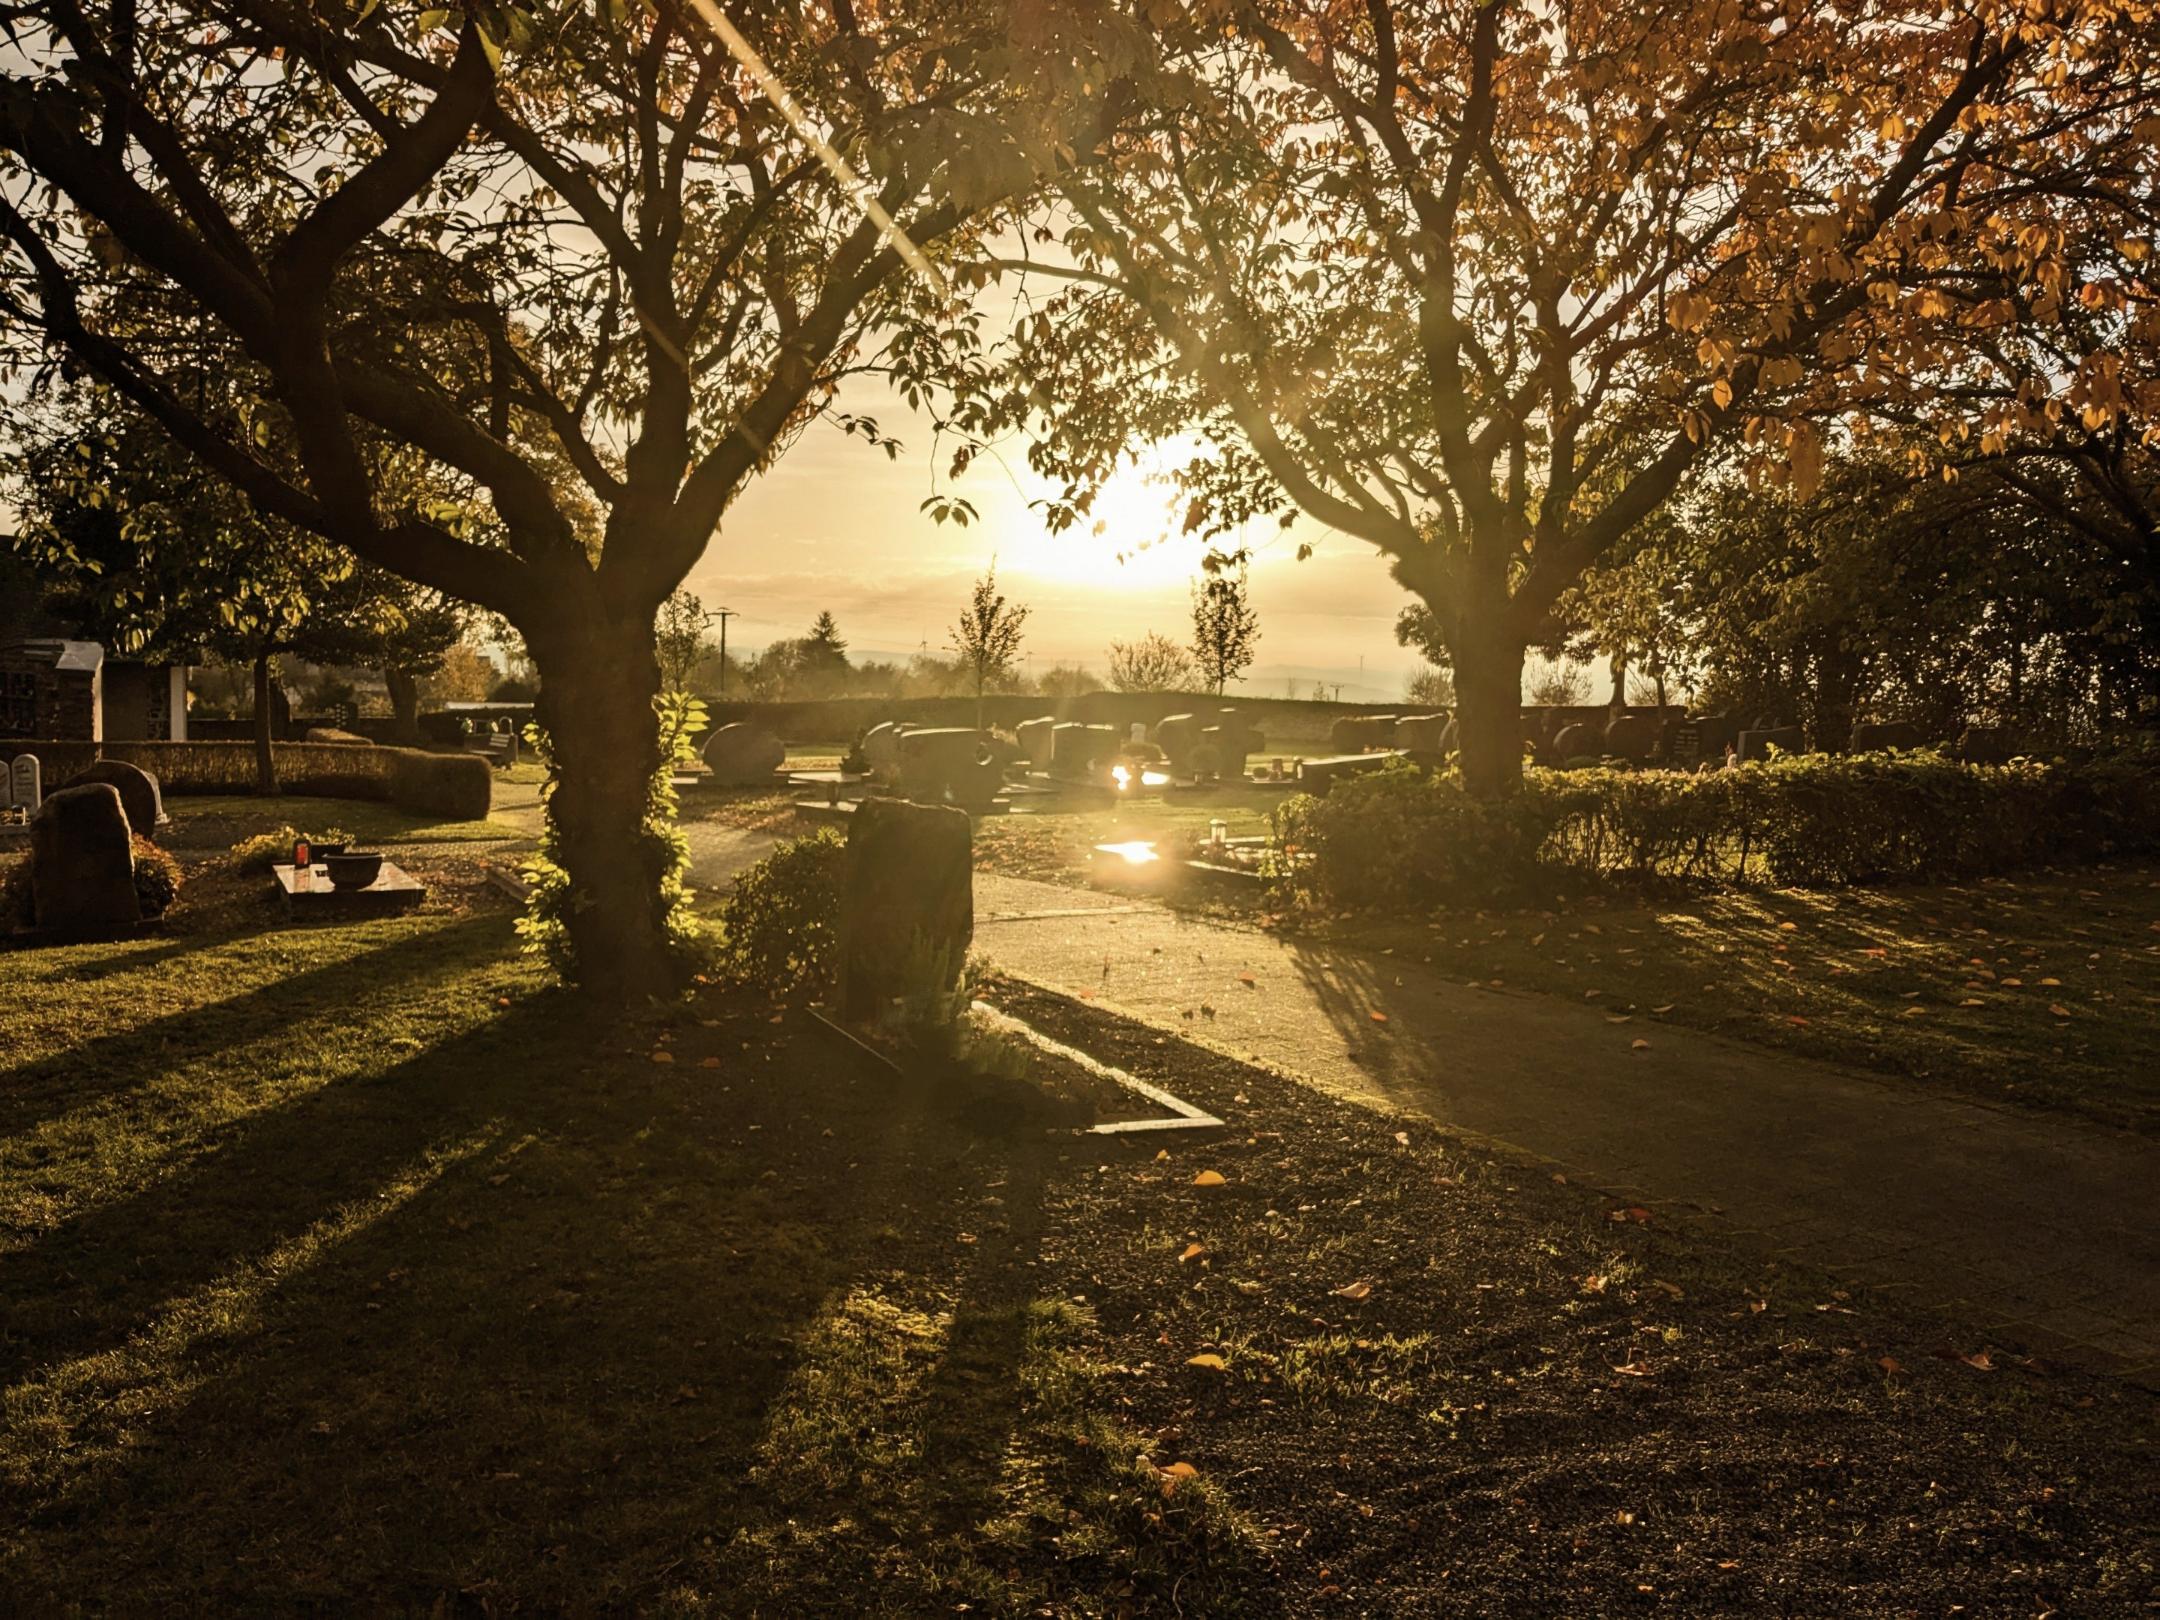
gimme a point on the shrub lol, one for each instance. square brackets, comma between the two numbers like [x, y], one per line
[1410, 838]
[157, 878]
[457, 787]
[331, 734]
[265, 849]
[780, 928]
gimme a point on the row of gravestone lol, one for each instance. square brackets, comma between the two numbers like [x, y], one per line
[82, 851]
[1643, 739]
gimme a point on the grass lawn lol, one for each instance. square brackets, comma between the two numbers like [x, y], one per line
[352, 1268]
[2040, 989]
[218, 821]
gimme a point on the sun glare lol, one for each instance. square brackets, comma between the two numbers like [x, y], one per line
[1134, 536]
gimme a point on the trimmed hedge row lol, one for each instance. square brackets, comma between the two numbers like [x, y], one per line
[456, 786]
[1409, 838]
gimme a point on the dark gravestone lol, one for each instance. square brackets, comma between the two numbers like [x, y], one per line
[1178, 736]
[1318, 775]
[941, 765]
[1362, 733]
[1634, 737]
[1422, 735]
[1034, 738]
[1078, 752]
[82, 862]
[1233, 740]
[741, 755]
[1718, 732]
[1577, 741]
[1757, 744]
[1873, 736]
[138, 792]
[881, 750]
[1684, 746]
[907, 911]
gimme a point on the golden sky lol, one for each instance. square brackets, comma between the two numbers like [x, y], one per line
[835, 525]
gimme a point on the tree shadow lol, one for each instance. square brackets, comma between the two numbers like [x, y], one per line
[104, 1065]
[502, 1328]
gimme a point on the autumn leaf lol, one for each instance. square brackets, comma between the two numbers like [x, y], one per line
[1193, 1251]
[663, 1057]
[1209, 1178]
[2058, 1009]
[1635, 1369]
[1890, 1364]
[1639, 1045]
[1979, 1360]
[1360, 1289]
[1379, 1017]
[1209, 1361]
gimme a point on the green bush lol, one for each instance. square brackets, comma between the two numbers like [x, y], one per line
[1410, 838]
[457, 787]
[157, 878]
[780, 928]
[265, 849]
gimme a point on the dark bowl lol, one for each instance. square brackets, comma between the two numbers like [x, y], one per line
[354, 871]
[322, 852]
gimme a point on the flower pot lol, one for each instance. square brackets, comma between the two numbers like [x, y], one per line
[354, 871]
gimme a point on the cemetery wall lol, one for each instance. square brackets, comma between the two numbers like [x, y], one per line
[447, 784]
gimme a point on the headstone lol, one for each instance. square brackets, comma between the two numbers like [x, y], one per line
[1424, 736]
[1178, 736]
[1684, 746]
[1576, 741]
[1034, 738]
[1633, 737]
[1718, 732]
[1233, 741]
[954, 765]
[1078, 752]
[743, 755]
[881, 750]
[1873, 736]
[138, 792]
[907, 902]
[23, 782]
[1757, 743]
[82, 861]
[1362, 733]
[1318, 775]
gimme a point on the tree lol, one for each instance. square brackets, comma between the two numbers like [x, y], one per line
[1485, 282]
[987, 636]
[1154, 663]
[821, 661]
[1063, 682]
[157, 557]
[593, 274]
[1225, 626]
[1431, 688]
[679, 639]
[464, 676]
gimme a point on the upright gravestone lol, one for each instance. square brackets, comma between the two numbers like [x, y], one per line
[1757, 743]
[19, 784]
[1079, 752]
[82, 862]
[138, 792]
[743, 755]
[907, 909]
[1873, 736]
[1178, 736]
[1633, 737]
[881, 749]
[1576, 741]
[1034, 738]
[1233, 741]
[950, 764]
[1422, 736]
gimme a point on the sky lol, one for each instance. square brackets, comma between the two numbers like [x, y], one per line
[835, 525]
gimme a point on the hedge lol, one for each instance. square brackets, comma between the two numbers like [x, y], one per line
[457, 786]
[1409, 838]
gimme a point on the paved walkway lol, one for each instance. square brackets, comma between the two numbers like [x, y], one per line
[2016, 1221]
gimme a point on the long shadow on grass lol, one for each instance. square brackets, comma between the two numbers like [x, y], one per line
[104, 1065]
[539, 1382]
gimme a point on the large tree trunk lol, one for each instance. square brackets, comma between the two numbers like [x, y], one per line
[1488, 709]
[265, 760]
[597, 685]
[404, 704]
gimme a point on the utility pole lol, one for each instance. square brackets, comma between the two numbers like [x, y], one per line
[723, 615]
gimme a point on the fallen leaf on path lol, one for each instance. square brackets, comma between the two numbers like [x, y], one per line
[1193, 1251]
[2058, 1009]
[1209, 1360]
[1248, 980]
[663, 1057]
[1361, 1289]
[1890, 1364]
[1634, 1369]
[708, 1063]
[1668, 1007]
[1980, 1360]
[1634, 1212]
[1403, 1137]
[1379, 1017]
[1639, 1045]
[1209, 1178]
